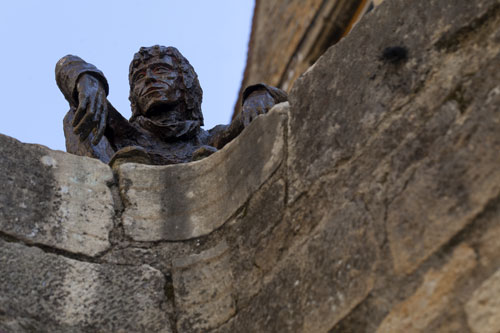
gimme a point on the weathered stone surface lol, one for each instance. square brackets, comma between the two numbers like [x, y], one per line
[431, 118]
[264, 60]
[433, 297]
[51, 293]
[450, 186]
[384, 216]
[203, 287]
[489, 246]
[413, 139]
[288, 36]
[179, 202]
[483, 309]
[54, 198]
[259, 234]
[328, 98]
[318, 278]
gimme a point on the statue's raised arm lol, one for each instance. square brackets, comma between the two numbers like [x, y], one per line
[256, 100]
[165, 97]
[85, 88]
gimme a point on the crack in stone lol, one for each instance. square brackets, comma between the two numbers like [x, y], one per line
[468, 228]
[48, 249]
[170, 298]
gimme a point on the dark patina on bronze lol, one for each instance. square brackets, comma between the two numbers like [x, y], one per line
[165, 96]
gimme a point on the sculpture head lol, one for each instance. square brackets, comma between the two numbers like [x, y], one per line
[164, 86]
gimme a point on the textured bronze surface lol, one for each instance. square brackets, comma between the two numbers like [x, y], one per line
[165, 96]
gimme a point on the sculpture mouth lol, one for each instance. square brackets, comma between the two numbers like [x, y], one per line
[152, 90]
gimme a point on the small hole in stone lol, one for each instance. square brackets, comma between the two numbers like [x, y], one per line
[394, 54]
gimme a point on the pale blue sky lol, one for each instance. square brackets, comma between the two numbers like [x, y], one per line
[212, 35]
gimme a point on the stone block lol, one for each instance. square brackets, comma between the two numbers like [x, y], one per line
[54, 198]
[433, 297]
[317, 280]
[483, 308]
[203, 287]
[339, 262]
[353, 92]
[52, 293]
[416, 134]
[258, 234]
[456, 178]
[178, 202]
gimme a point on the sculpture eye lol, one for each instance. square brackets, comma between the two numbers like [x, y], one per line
[139, 75]
[161, 70]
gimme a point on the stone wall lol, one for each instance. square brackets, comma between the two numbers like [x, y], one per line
[288, 36]
[371, 203]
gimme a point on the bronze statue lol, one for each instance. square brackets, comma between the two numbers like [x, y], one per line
[165, 97]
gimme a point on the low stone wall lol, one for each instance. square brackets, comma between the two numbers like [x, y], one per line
[371, 203]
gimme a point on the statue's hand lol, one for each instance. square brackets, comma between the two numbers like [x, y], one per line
[258, 102]
[92, 111]
[202, 152]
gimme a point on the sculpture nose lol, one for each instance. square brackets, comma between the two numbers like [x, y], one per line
[150, 76]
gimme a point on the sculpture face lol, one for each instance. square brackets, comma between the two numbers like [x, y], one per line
[164, 87]
[158, 88]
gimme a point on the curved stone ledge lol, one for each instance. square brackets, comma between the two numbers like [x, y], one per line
[54, 198]
[385, 216]
[179, 202]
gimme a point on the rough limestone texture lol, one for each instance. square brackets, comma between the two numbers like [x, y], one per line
[432, 297]
[55, 199]
[43, 291]
[204, 300]
[370, 203]
[290, 35]
[178, 202]
[484, 306]
[418, 142]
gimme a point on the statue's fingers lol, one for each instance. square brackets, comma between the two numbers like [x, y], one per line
[265, 105]
[253, 110]
[92, 107]
[96, 122]
[97, 110]
[268, 105]
[246, 116]
[87, 123]
[80, 111]
[86, 129]
[261, 108]
[80, 129]
[102, 125]
[252, 115]
[100, 105]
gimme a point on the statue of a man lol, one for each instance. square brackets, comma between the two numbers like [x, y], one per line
[165, 96]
